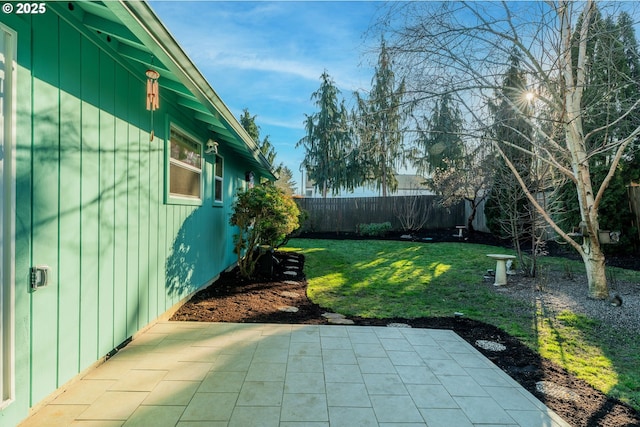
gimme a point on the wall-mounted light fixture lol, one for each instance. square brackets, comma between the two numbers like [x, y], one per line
[250, 178]
[212, 147]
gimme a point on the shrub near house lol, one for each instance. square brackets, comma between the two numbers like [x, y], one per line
[264, 216]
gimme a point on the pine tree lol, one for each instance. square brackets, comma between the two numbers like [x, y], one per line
[328, 142]
[379, 127]
[440, 146]
[285, 180]
[248, 122]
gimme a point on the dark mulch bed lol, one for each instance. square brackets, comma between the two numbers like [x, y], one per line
[231, 299]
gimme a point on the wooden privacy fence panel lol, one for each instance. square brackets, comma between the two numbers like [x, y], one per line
[480, 221]
[345, 214]
[634, 201]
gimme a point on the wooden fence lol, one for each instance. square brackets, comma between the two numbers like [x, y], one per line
[345, 214]
[634, 202]
[480, 221]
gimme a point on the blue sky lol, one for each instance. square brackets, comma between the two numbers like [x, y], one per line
[268, 56]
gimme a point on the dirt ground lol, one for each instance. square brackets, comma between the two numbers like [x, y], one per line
[231, 299]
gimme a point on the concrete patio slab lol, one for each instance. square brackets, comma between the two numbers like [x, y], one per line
[221, 374]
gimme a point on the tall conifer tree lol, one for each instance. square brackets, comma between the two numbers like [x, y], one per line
[379, 125]
[328, 142]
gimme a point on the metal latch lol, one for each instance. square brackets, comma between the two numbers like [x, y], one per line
[39, 276]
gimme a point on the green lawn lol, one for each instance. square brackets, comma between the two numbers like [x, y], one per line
[379, 279]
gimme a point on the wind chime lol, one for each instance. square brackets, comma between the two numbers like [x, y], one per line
[153, 95]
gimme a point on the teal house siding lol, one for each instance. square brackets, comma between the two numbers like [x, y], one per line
[91, 197]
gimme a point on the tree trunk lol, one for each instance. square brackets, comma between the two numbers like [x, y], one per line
[472, 216]
[591, 252]
[594, 263]
[592, 255]
[533, 267]
[384, 180]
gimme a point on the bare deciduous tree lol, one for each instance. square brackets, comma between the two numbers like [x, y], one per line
[413, 211]
[465, 47]
[469, 179]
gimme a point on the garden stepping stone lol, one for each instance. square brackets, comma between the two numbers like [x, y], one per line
[552, 389]
[291, 282]
[291, 273]
[333, 316]
[288, 309]
[398, 325]
[293, 261]
[340, 321]
[289, 294]
[337, 319]
[490, 345]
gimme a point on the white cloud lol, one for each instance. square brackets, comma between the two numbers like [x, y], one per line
[260, 63]
[268, 56]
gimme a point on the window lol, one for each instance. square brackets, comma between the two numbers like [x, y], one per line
[185, 169]
[218, 179]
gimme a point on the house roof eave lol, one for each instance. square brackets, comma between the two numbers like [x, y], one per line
[145, 25]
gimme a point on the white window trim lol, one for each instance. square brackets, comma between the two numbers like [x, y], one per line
[7, 218]
[178, 199]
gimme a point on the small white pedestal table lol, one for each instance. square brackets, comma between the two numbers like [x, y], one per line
[501, 268]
